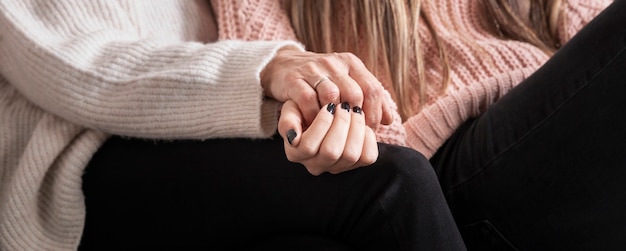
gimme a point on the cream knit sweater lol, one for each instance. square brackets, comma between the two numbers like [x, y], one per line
[483, 67]
[74, 72]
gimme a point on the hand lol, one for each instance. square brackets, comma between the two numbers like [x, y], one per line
[315, 79]
[337, 140]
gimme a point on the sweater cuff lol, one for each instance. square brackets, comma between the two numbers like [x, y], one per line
[262, 111]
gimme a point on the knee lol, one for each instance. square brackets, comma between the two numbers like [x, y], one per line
[408, 169]
[409, 187]
[401, 176]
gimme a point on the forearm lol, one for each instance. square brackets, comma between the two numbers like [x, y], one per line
[123, 83]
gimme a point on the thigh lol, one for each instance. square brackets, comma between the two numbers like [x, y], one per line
[233, 193]
[544, 166]
[206, 194]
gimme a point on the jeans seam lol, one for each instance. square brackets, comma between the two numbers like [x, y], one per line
[541, 123]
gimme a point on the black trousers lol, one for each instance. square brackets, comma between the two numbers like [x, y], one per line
[237, 194]
[545, 167]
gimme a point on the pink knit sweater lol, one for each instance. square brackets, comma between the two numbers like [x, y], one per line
[480, 75]
[481, 70]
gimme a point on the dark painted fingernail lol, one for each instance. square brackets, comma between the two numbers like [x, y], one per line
[291, 134]
[357, 109]
[345, 106]
[331, 108]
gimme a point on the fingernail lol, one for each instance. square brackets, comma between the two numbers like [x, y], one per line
[357, 109]
[291, 134]
[345, 106]
[331, 108]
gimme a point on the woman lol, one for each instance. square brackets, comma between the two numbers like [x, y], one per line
[519, 170]
[126, 125]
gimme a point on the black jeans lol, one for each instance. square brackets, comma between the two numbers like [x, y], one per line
[236, 194]
[545, 167]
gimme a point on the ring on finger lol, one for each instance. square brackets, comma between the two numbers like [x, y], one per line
[322, 79]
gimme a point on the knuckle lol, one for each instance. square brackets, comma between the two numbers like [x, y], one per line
[307, 95]
[368, 158]
[332, 93]
[328, 60]
[307, 149]
[347, 56]
[353, 59]
[373, 90]
[354, 97]
[345, 59]
[351, 156]
[310, 66]
[331, 154]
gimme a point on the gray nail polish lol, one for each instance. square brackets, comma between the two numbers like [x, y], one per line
[331, 108]
[345, 106]
[291, 134]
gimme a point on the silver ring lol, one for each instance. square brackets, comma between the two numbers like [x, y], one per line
[319, 82]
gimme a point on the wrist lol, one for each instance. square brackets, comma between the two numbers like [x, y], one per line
[274, 64]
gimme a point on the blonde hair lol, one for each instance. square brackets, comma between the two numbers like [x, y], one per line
[384, 34]
[535, 23]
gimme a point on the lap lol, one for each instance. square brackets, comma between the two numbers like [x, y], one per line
[245, 192]
[544, 165]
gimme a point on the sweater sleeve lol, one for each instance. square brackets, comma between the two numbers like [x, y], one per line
[576, 14]
[98, 65]
[428, 130]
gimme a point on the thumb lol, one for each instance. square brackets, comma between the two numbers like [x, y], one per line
[290, 123]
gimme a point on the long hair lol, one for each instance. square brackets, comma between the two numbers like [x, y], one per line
[531, 21]
[384, 34]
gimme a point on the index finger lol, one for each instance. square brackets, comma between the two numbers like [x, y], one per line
[306, 99]
[374, 105]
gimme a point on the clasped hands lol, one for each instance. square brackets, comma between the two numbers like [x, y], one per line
[331, 105]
